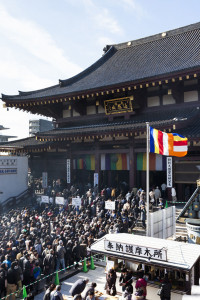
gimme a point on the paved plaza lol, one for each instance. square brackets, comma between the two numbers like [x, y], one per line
[98, 275]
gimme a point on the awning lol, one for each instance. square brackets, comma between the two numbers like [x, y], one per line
[154, 251]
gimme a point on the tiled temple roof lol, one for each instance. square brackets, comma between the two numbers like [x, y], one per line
[156, 56]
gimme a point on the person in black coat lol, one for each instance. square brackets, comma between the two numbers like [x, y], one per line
[78, 287]
[165, 287]
[111, 282]
[3, 277]
[126, 280]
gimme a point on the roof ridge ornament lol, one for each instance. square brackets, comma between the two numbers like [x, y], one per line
[164, 34]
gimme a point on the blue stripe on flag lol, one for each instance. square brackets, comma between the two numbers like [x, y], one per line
[176, 134]
[152, 146]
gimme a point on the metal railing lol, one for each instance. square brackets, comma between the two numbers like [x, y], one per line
[13, 201]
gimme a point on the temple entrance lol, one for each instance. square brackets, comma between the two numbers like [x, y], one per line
[156, 178]
[114, 178]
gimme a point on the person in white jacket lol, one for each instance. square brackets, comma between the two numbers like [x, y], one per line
[173, 193]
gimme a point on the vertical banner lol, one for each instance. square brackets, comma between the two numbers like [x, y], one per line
[44, 180]
[96, 179]
[68, 171]
[169, 172]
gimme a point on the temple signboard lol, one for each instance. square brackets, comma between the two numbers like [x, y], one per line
[136, 250]
[120, 105]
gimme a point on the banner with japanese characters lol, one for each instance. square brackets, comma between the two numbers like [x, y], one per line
[169, 172]
[44, 180]
[76, 201]
[136, 250]
[45, 199]
[60, 200]
[110, 205]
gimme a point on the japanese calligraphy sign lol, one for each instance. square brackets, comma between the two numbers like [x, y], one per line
[119, 105]
[8, 162]
[68, 171]
[135, 250]
[169, 172]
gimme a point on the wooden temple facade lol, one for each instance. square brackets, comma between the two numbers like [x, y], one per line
[100, 114]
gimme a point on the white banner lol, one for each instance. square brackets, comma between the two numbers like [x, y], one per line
[110, 205]
[44, 180]
[135, 250]
[169, 172]
[96, 179]
[45, 199]
[60, 200]
[68, 171]
[76, 201]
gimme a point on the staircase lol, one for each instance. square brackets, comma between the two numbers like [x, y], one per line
[21, 200]
[181, 230]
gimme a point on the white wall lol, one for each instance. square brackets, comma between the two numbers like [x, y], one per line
[13, 184]
[162, 223]
[168, 99]
[91, 110]
[190, 96]
[66, 113]
[153, 101]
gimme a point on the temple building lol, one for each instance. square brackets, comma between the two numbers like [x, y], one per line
[3, 137]
[100, 114]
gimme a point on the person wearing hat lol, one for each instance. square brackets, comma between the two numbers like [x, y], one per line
[78, 287]
[60, 251]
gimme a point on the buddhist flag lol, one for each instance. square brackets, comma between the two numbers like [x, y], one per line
[171, 144]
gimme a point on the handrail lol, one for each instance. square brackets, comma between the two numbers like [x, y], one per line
[188, 203]
[11, 200]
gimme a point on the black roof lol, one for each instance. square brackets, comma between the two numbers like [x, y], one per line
[155, 56]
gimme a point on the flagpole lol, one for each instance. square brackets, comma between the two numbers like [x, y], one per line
[147, 178]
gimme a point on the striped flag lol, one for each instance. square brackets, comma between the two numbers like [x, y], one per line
[171, 144]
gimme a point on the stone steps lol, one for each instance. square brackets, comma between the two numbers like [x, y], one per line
[181, 230]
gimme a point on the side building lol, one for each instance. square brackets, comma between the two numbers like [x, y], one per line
[100, 114]
[39, 125]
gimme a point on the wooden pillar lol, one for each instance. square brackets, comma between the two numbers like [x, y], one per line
[189, 284]
[132, 171]
[179, 192]
[196, 273]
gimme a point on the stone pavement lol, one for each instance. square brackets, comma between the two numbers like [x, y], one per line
[98, 275]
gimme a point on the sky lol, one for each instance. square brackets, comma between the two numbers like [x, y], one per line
[42, 41]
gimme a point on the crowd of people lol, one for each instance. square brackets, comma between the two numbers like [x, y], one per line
[43, 238]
